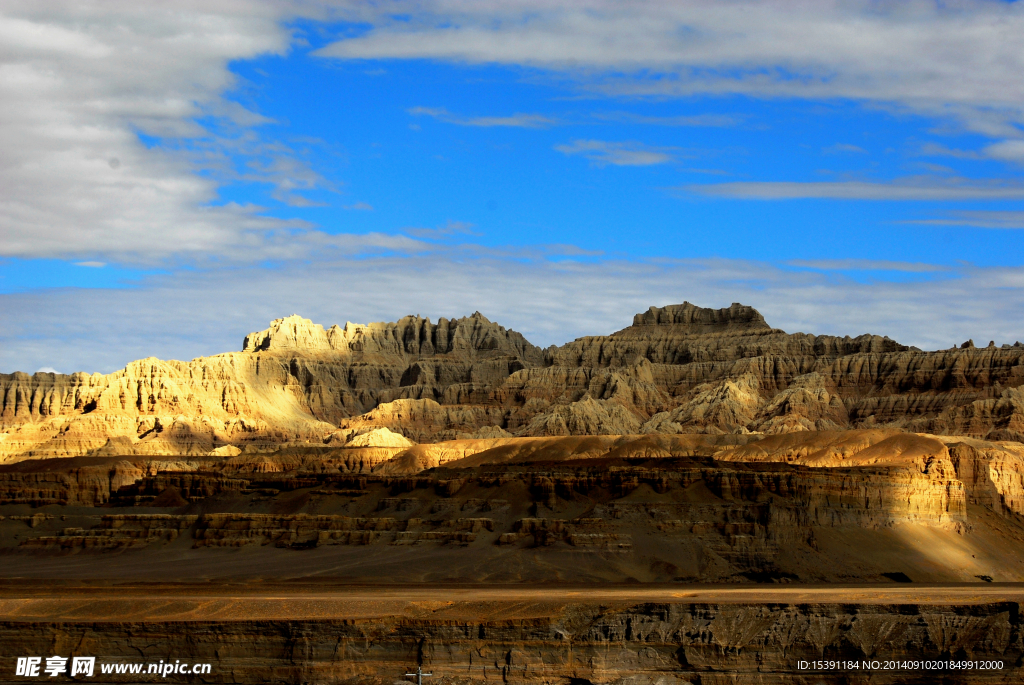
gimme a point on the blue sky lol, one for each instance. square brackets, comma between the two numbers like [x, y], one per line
[617, 176]
[176, 181]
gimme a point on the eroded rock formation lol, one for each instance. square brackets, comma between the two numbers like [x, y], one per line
[677, 369]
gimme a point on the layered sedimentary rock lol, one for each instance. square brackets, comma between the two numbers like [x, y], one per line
[116, 532]
[855, 506]
[677, 369]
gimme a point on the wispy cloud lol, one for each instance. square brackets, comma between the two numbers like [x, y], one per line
[360, 206]
[517, 120]
[936, 150]
[958, 61]
[1011, 150]
[1006, 150]
[840, 148]
[603, 153]
[866, 265]
[935, 168]
[977, 219]
[289, 175]
[709, 172]
[449, 230]
[901, 189]
[695, 120]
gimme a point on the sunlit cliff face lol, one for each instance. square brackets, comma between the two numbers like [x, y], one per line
[679, 369]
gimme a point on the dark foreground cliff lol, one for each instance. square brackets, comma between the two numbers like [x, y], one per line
[571, 641]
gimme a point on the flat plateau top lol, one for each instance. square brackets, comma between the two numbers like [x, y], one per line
[35, 602]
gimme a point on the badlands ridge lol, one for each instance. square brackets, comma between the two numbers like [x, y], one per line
[677, 370]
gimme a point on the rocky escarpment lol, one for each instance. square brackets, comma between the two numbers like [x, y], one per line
[825, 507]
[767, 507]
[678, 369]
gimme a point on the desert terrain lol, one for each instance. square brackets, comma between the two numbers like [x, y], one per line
[696, 498]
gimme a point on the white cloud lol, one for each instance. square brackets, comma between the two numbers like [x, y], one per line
[630, 153]
[80, 81]
[517, 120]
[901, 189]
[959, 60]
[206, 312]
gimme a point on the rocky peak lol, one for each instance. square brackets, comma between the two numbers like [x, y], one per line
[290, 333]
[409, 336]
[689, 318]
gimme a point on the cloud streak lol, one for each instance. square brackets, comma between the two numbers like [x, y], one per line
[517, 120]
[900, 190]
[447, 232]
[603, 153]
[696, 120]
[841, 148]
[866, 265]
